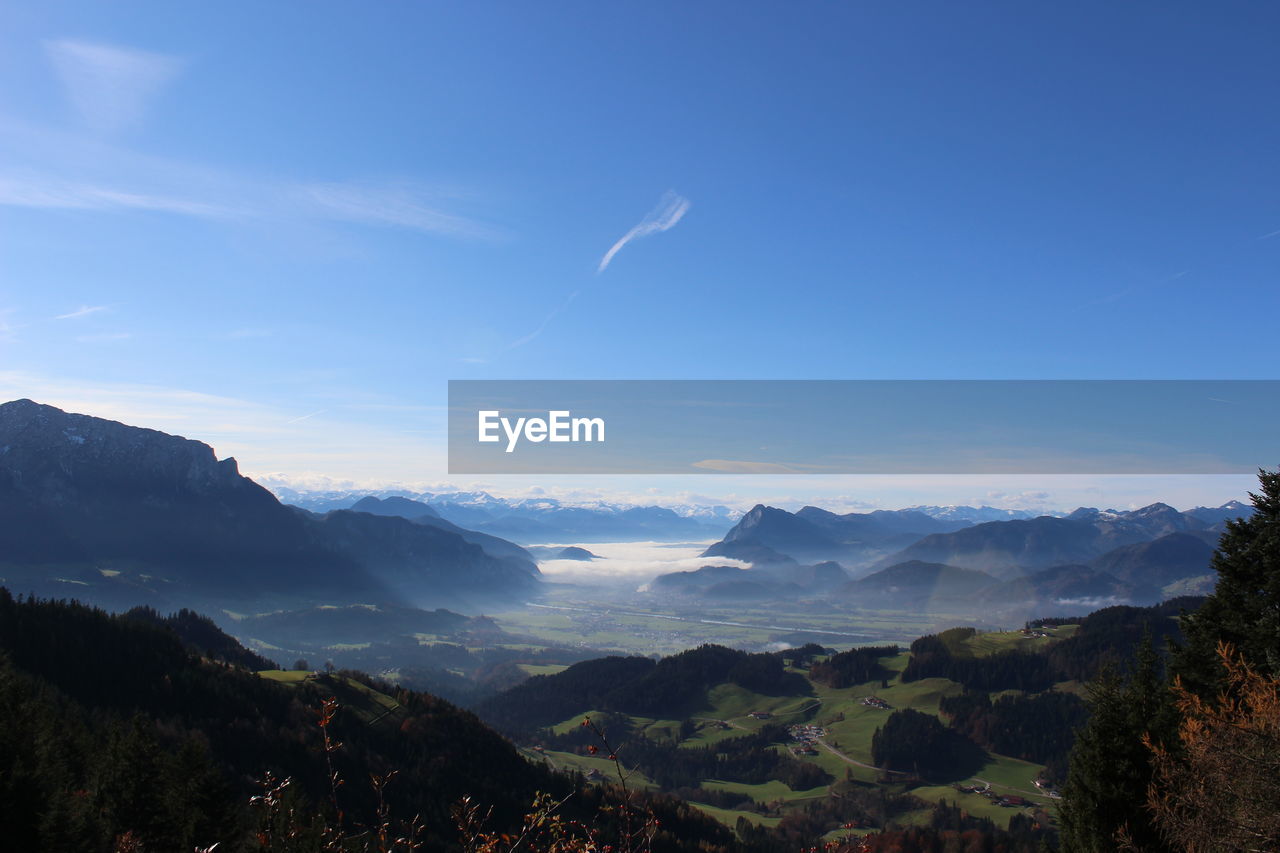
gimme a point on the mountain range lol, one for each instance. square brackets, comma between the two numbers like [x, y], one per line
[126, 515]
[544, 519]
[532, 520]
[909, 559]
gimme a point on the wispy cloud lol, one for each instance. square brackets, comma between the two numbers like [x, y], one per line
[31, 190]
[396, 204]
[387, 205]
[110, 86]
[664, 217]
[670, 210]
[82, 311]
[54, 169]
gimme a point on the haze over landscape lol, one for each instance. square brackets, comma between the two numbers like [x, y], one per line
[245, 248]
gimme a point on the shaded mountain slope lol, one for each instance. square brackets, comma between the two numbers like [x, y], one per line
[1160, 561]
[123, 515]
[918, 585]
[1010, 548]
[424, 514]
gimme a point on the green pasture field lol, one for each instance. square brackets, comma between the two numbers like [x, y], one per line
[729, 817]
[586, 763]
[285, 676]
[769, 792]
[542, 668]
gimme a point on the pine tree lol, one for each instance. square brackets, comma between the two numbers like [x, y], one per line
[1244, 609]
[1104, 798]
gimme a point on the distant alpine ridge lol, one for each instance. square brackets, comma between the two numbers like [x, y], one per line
[914, 560]
[531, 520]
[543, 519]
[123, 515]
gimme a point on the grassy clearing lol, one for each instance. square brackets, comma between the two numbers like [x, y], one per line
[1077, 687]
[584, 764]
[709, 734]
[542, 668]
[992, 642]
[1012, 775]
[734, 704]
[896, 663]
[840, 769]
[975, 804]
[368, 704]
[654, 729]
[772, 791]
[729, 817]
[661, 730]
[852, 734]
[575, 721]
[285, 676]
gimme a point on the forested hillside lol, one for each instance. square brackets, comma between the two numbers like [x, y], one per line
[116, 727]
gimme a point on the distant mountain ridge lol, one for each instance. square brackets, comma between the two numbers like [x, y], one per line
[916, 584]
[543, 519]
[1013, 548]
[974, 515]
[531, 520]
[133, 515]
[1089, 557]
[818, 535]
[424, 514]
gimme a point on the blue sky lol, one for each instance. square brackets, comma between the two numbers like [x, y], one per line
[282, 227]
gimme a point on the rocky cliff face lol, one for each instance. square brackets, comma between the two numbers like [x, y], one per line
[55, 458]
[74, 487]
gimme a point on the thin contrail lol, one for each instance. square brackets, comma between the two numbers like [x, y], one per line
[519, 342]
[304, 417]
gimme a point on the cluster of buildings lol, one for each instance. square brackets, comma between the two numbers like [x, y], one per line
[806, 737]
[876, 702]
